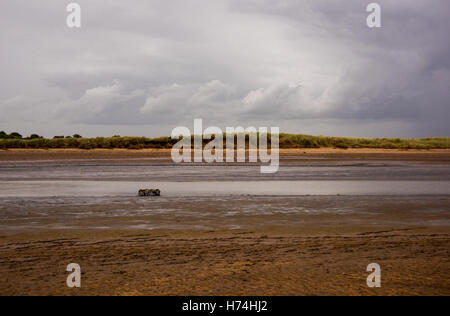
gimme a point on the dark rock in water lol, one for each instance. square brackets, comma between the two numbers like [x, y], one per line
[151, 192]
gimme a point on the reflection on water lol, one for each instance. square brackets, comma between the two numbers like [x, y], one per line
[145, 170]
[265, 188]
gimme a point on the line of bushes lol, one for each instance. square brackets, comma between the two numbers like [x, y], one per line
[286, 141]
[16, 135]
[89, 143]
[307, 141]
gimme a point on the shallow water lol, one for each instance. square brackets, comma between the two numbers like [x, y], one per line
[103, 195]
[209, 188]
[227, 212]
[149, 170]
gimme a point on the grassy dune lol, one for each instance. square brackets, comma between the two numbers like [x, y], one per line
[286, 141]
[307, 141]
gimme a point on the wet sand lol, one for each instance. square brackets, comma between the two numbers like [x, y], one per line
[439, 155]
[262, 262]
[228, 244]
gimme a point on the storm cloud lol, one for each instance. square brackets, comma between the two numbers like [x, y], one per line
[143, 67]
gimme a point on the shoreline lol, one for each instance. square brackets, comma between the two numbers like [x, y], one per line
[165, 154]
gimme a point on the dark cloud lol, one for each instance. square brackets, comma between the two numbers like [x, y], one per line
[146, 66]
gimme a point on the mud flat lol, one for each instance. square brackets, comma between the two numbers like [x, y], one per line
[240, 262]
[315, 245]
[219, 240]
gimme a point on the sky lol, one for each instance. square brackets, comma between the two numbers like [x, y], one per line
[144, 67]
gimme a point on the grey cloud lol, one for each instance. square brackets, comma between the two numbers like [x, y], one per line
[117, 103]
[285, 62]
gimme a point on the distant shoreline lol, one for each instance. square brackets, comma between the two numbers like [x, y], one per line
[286, 141]
[164, 154]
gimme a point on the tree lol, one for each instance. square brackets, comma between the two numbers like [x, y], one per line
[35, 136]
[77, 136]
[15, 135]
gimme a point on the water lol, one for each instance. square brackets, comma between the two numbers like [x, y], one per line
[221, 212]
[221, 188]
[150, 170]
[103, 195]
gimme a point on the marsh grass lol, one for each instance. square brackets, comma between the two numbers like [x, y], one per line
[307, 141]
[286, 141]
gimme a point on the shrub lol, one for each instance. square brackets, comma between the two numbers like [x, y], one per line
[15, 135]
[35, 136]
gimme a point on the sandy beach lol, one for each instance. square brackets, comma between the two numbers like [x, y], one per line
[227, 243]
[360, 153]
